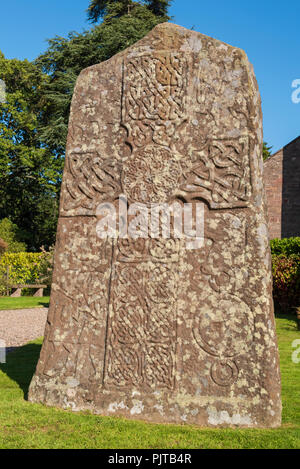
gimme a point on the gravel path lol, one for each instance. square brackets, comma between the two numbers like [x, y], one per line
[19, 326]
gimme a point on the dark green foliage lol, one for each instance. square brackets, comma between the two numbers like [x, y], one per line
[116, 8]
[266, 151]
[108, 8]
[11, 235]
[286, 246]
[286, 282]
[97, 9]
[159, 7]
[286, 273]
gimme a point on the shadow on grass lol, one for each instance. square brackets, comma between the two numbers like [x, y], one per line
[45, 304]
[20, 365]
[290, 317]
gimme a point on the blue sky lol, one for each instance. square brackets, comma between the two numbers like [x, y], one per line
[268, 31]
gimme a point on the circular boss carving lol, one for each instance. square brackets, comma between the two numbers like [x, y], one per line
[224, 331]
[150, 175]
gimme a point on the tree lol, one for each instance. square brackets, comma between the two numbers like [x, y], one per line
[104, 8]
[115, 8]
[124, 23]
[30, 174]
[11, 235]
[266, 151]
[159, 7]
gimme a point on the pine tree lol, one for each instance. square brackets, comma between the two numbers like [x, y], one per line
[159, 7]
[104, 8]
[266, 151]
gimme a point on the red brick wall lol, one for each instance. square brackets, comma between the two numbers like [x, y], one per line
[282, 186]
[273, 188]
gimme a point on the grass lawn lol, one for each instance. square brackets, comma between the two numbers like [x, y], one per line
[23, 302]
[26, 425]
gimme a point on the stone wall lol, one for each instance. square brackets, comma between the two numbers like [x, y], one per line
[282, 185]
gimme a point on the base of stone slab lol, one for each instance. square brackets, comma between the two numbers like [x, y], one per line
[160, 407]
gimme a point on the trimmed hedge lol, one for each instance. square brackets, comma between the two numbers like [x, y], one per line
[286, 282]
[25, 267]
[286, 273]
[286, 246]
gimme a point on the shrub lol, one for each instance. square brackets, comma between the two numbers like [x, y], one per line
[287, 246]
[25, 267]
[11, 235]
[286, 281]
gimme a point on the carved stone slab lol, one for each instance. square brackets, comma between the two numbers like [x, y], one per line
[147, 328]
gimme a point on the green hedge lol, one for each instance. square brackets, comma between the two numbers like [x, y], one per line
[286, 282]
[25, 267]
[286, 246]
[286, 273]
